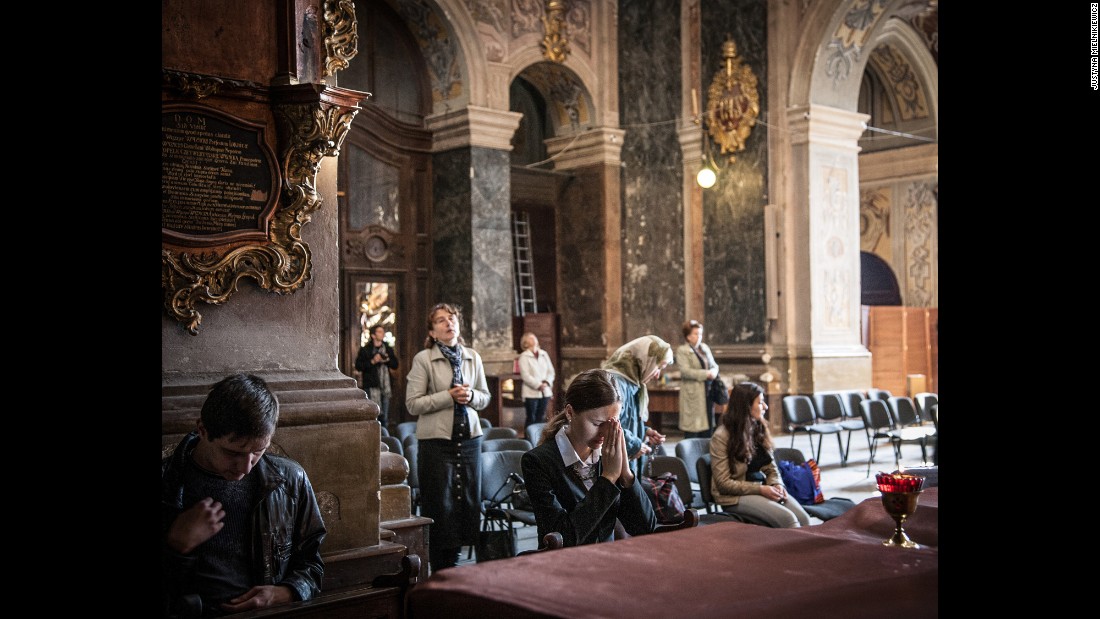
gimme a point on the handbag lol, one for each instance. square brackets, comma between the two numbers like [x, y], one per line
[497, 538]
[662, 492]
[718, 392]
[520, 499]
[800, 481]
[819, 497]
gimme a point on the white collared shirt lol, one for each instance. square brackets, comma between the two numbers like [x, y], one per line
[585, 468]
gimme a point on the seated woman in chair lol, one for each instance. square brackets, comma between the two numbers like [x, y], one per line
[744, 477]
[578, 477]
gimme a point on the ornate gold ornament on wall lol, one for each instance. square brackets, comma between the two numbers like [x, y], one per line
[341, 35]
[198, 86]
[733, 102]
[554, 45]
[203, 258]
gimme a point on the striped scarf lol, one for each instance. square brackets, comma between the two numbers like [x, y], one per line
[453, 354]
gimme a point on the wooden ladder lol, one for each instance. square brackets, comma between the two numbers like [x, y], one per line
[523, 277]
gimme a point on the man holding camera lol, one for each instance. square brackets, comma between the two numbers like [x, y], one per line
[375, 361]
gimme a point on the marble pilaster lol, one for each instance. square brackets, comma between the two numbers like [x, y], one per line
[822, 237]
[472, 240]
[588, 243]
[732, 226]
[652, 171]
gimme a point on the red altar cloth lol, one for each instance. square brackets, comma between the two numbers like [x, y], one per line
[835, 570]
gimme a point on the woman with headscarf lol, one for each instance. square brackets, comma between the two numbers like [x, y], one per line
[446, 387]
[631, 366]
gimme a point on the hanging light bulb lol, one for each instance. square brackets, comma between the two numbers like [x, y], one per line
[706, 177]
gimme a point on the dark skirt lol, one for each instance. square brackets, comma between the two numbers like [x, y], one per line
[450, 490]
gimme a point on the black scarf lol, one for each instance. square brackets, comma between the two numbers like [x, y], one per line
[698, 355]
[706, 383]
[460, 429]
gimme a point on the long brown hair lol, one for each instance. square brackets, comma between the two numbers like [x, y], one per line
[591, 389]
[450, 309]
[746, 434]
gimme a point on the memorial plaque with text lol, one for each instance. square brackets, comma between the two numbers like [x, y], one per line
[219, 179]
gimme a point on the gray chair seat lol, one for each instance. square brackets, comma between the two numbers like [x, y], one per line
[534, 431]
[501, 444]
[714, 511]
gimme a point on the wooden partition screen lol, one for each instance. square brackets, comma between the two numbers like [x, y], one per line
[904, 341]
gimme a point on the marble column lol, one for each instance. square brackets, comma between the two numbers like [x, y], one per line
[589, 243]
[471, 226]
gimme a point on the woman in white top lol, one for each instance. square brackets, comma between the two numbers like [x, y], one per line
[536, 370]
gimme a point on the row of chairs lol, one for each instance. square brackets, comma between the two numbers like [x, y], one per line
[494, 439]
[880, 415]
[502, 478]
[691, 466]
[501, 475]
[896, 420]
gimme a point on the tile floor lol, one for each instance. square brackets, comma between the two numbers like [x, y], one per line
[851, 481]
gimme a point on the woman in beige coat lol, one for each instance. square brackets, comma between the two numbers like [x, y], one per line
[697, 369]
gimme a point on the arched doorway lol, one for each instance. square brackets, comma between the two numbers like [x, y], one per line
[878, 285]
[898, 160]
[385, 196]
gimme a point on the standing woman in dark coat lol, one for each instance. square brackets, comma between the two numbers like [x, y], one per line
[579, 478]
[446, 387]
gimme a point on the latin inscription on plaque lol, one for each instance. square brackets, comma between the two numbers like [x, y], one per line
[217, 175]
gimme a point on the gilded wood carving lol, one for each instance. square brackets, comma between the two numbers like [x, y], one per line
[341, 35]
[555, 45]
[733, 102]
[208, 241]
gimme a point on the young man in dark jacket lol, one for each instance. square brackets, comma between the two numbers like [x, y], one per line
[241, 527]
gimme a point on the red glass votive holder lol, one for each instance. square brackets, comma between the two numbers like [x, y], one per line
[899, 482]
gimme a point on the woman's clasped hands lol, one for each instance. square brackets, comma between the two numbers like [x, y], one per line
[776, 493]
[461, 393]
[616, 464]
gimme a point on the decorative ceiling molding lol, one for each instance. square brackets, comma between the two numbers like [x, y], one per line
[900, 80]
[850, 36]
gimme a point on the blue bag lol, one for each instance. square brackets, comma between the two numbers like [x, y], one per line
[799, 480]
